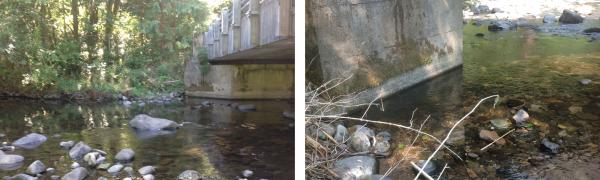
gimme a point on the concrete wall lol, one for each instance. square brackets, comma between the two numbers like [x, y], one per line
[265, 81]
[384, 45]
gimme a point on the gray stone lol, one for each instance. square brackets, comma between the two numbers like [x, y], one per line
[482, 9]
[103, 166]
[501, 25]
[50, 170]
[549, 19]
[11, 162]
[67, 144]
[75, 165]
[501, 123]
[570, 17]
[368, 131]
[549, 146]
[125, 155]
[496, 10]
[382, 148]
[76, 174]
[115, 169]
[325, 128]
[429, 169]
[383, 136]
[146, 170]
[22, 177]
[128, 170]
[585, 81]
[36, 167]
[354, 167]
[521, 116]
[148, 177]
[247, 173]
[145, 122]
[360, 142]
[246, 107]
[189, 175]
[30, 141]
[79, 150]
[341, 134]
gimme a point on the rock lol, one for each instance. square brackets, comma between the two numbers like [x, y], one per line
[23, 177]
[570, 17]
[247, 173]
[205, 103]
[144, 122]
[189, 175]
[496, 10]
[91, 158]
[30, 141]
[360, 142]
[246, 107]
[55, 177]
[125, 155]
[567, 126]
[359, 128]
[103, 166]
[521, 116]
[575, 109]
[374, 177]
[592, 30]
[7, 148]
[75, 165]
[536, 108]
[383, 136]
[585, 81]
[67, 144]
[10, 162]
[586, 116]
[50, 170]
[491, 136]
[501, 25]
[429, 169]
[482, 9]
[550, 147]
[76, 174]
[102, 178]
[36, 167]
[148, 177]
[382, 148]
[128, 170]
[501, 123]
[341, 134]
[457, 137]
[325, 129]
[549, 19]
[79, 150]
[288, 114]
[354, 167]
[146, 170]
[472, 155]
[127, 103]
[115, 169]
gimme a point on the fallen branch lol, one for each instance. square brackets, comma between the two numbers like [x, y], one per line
[421, 172]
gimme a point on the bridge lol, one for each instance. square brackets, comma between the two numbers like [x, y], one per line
[249, 53]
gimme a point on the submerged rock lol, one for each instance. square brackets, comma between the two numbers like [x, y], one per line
[11, 162]
[549, 146]
[146, 170]
[521, 116]
[354, 167]
[79, 150]
[189, 175]
[570, 17]
[76, 174]
[501, 123]
[30, 141]
[36, 167]
[341, 134]
[125, 155]
[491, 136]
[360, 142]
[145, 122]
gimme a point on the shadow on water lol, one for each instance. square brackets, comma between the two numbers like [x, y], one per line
[540, 71]
[217, 141]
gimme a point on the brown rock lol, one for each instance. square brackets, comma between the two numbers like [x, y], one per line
[491, 136]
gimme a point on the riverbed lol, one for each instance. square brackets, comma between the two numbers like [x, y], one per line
[219, 141]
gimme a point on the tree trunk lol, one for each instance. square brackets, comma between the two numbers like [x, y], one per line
[75, 14]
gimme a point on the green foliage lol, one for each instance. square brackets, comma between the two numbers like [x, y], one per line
[117, 46]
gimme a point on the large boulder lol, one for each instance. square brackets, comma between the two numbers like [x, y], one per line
[145, 122]
[11, 162]
[76, 174]
[354, 167]
[570, 17]
[30, 141]
[79, 150]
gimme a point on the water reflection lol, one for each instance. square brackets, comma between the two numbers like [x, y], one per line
[217, 141]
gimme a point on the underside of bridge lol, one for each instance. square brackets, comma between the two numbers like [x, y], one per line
[250, 51]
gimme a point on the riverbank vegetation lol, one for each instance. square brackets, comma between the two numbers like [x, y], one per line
[96, 49]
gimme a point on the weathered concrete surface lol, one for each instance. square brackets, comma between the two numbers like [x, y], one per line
[256, 81]
[385, 46]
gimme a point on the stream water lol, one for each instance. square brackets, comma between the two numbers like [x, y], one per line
[217, 141]
[537, 72]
